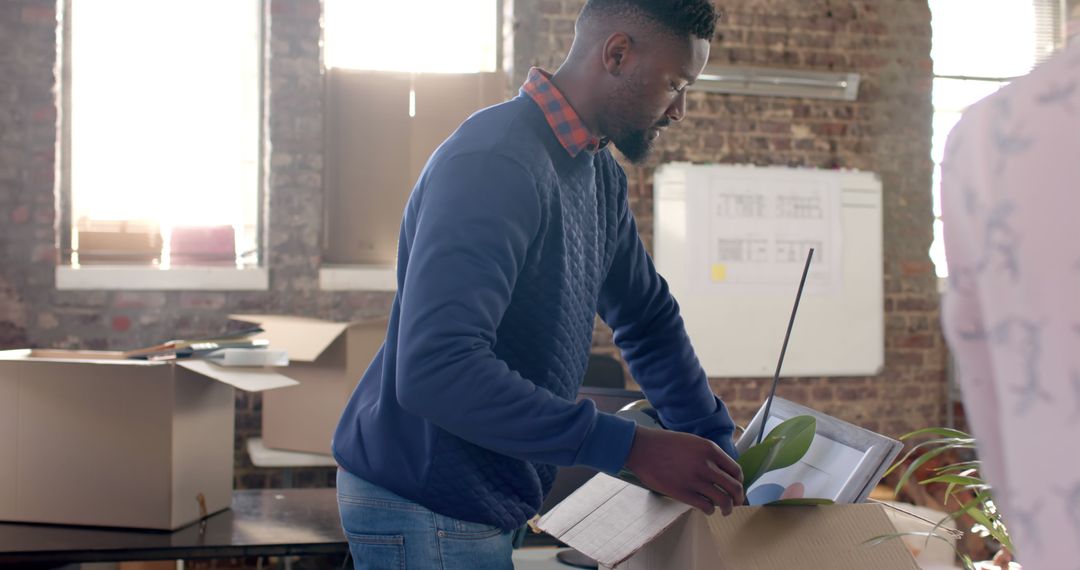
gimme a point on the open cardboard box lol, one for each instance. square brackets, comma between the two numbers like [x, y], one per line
[624, 526]
[327, 359]
[90, 438]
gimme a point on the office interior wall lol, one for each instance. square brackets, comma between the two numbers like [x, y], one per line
[887, 130]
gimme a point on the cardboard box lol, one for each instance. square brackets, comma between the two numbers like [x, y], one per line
[629, 528]
[118, 242]
[327, 359]
[89, 438]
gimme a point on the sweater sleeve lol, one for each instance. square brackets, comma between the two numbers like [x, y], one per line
[475, 221]
[636, 303]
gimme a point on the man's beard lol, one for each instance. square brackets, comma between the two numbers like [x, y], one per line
[634, 145]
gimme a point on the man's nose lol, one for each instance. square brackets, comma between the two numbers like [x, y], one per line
[677, 110]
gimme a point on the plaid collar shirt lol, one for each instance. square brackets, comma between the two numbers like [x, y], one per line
[571, 131]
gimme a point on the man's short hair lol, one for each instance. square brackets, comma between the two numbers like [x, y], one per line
[681, 17]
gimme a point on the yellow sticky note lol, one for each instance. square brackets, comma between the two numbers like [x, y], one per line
[719, 272]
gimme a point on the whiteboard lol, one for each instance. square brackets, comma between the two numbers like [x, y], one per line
[732, 249]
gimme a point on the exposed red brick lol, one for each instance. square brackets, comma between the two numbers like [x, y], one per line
[44, 114]
[829, 129]
[39, 15]
[917, 267]
[121, 323]
[20, 214]
[749, 393]
[912, 392]
[822, 393]
[916, 304]
[780, 144]
[775, 127]
[906, 359]
[916, 341]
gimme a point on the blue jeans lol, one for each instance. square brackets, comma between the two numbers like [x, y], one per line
[386, 531]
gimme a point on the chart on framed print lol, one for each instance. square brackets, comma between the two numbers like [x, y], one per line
[732, 240]
[843, 464]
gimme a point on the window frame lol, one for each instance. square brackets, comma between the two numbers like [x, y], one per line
[1057, 19]
[150, 277]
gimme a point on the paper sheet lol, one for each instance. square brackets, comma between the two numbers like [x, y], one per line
[754, 235]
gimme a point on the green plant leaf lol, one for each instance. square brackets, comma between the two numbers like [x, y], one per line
[966, 481]
[797, 434]
[785, 445]
[952, 443]
[962, 466]
[922, 459]
[963, 474]
[975, 509]
[938, 431]
[752, 460]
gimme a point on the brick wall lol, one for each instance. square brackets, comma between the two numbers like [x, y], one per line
[887, 131]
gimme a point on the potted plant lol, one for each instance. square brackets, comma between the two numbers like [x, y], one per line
[946, 456]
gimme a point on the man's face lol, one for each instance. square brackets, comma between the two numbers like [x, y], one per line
[653, 94]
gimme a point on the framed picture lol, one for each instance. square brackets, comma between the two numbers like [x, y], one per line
[843, 464]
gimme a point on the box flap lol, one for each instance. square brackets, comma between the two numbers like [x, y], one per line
[247, 379]
[609, 520]
[304, 339]
[829, 536]
[111, 358]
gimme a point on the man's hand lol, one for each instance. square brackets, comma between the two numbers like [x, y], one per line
[687, 468]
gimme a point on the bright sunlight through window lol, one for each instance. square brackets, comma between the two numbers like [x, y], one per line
[419, 36]
[165, 123]
[978, 46]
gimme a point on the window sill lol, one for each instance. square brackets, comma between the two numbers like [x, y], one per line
[358, 278]
[131, 278]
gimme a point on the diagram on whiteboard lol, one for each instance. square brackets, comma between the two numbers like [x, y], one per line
[731, 242]
[742, 234]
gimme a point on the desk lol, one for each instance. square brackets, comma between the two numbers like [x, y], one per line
[275, 522]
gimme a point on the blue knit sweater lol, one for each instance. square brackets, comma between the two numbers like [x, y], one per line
[508, 249]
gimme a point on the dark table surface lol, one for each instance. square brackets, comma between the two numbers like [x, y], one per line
[268, 522]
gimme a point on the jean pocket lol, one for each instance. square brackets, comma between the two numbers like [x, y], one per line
[489, 549]
[470, 531]
[377, 551]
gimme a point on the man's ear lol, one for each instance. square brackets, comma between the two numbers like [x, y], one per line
[617, 51]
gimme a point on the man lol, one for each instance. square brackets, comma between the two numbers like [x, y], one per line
[517, 233]
[1010, 202]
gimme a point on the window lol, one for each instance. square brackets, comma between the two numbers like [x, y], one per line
[162, 137]
[430, 36]
[400, 77]
[978, 47]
